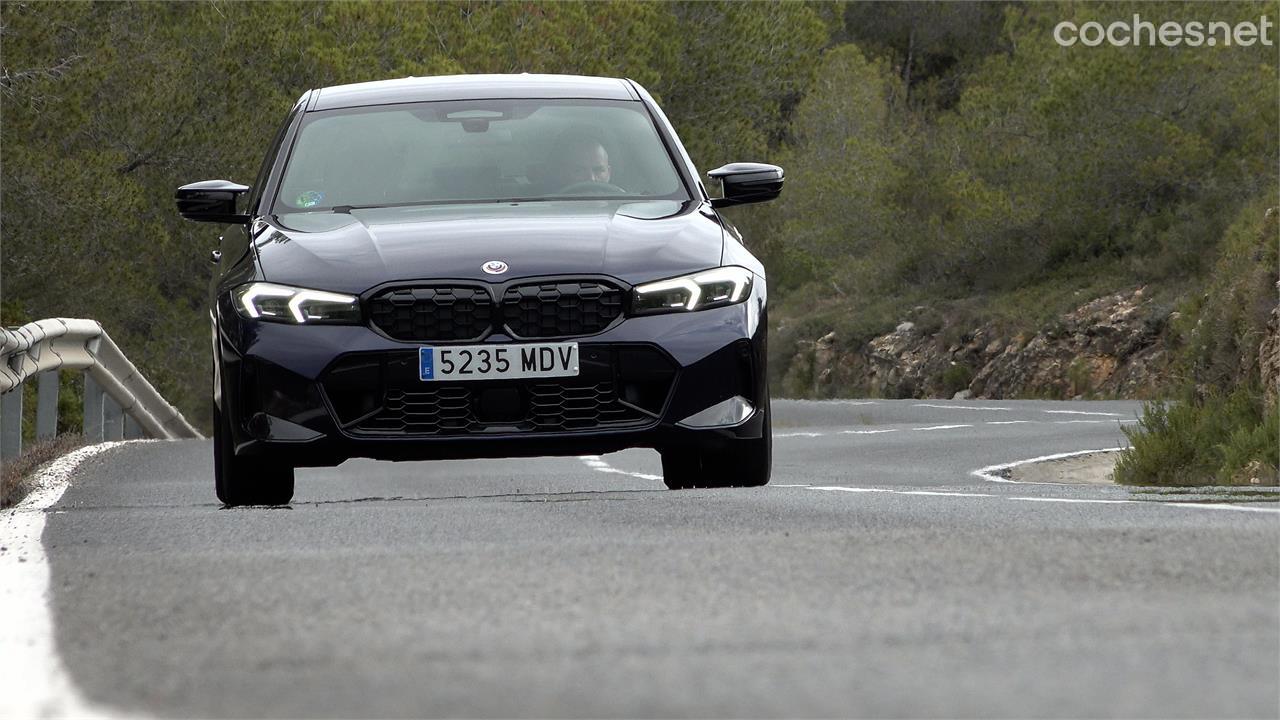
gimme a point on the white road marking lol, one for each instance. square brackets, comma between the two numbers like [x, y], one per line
[1079, 501]
[595, 463]
[962, 407]
[942, 427]
[950, 493]
[799, 434]
[1193, 505]
[1220, 506]
[33, 681]
[1009, 422]
[1073, 422]
[792, 485]
[988, 473]
[867, 432]
[1082, 412]
[842, 488]
[1073, 500]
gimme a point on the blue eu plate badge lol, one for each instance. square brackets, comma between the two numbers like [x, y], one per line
[426, 364]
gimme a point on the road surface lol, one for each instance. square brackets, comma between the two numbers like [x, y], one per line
[876, 576]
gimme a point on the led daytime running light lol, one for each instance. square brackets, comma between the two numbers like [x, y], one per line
[260, 290]
[731, 275]
[699, 290]
[695, 292]
[295, 305]
[290, 304]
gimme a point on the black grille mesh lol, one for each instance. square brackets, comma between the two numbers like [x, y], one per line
[537, 310]
[429, 411]
[560, 309]
[619, 387]
[548, 406]
[433, 313]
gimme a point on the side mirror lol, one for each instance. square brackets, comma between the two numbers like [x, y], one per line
[211, 201]
[747, 183]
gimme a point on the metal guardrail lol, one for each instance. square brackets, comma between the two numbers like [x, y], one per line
[118, 401]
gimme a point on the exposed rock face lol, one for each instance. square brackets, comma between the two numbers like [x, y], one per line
[1110, 346]
[1269, 359]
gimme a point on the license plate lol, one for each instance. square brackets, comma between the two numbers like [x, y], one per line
[498, 362]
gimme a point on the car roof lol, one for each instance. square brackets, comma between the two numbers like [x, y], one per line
[470, 87]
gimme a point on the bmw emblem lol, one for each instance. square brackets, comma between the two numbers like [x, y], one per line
[494, 267]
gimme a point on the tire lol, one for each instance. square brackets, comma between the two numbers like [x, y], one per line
[246, 481]
[744, 463]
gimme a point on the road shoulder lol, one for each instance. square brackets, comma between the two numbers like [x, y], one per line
[1089, 469]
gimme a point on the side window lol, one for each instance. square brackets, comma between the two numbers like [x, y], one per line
[259, 184]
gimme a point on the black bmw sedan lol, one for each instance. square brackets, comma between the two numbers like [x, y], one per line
[483, 266]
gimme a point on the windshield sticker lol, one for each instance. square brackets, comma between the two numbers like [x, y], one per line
[310, 198]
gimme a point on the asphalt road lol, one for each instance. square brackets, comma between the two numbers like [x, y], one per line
[876, 576]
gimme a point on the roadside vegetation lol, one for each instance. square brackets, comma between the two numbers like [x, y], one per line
[16, 474]
[1211, 440]
[947, 162]
[1223, 425]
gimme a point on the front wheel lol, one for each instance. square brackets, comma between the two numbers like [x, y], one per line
[246, 481]
[743, 463]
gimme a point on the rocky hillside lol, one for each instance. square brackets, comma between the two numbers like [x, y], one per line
[1111, 346]
[1269, 359]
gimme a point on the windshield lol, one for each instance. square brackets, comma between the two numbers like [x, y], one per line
[477, 150]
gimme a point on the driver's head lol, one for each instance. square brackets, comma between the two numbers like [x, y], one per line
[583, 159]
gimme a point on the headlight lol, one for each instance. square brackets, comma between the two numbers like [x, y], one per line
[281, 303]
[696, 291]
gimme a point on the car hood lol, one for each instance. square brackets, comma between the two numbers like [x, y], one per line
[352, 252]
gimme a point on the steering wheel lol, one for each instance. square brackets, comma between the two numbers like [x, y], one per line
[591, 187]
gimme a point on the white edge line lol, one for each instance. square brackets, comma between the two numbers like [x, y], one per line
[1083, 501]
[33, 680]
[949, 494]
[595, 463]
[867, 432]
[1200, 506]
[839, 432]
[1082, 412]
[962, 407]
[1074, 501]
[849, 402]
[988, 473]
[942, 427]
[1218, 506]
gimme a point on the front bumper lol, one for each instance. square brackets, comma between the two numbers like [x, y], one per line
[317, 395]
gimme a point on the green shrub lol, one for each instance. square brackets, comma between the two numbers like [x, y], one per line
[1079, 377]
[1200, 441]
[1247, 445]
[956, 378]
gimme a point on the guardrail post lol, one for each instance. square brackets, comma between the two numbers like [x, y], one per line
[93, 397]
[11, 423]
[47, 405]
[132, 430]
[112, 419]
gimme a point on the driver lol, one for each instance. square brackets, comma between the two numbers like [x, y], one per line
[582, 159]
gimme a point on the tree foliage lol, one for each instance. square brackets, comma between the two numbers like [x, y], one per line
[108, 107]
[934, 150]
